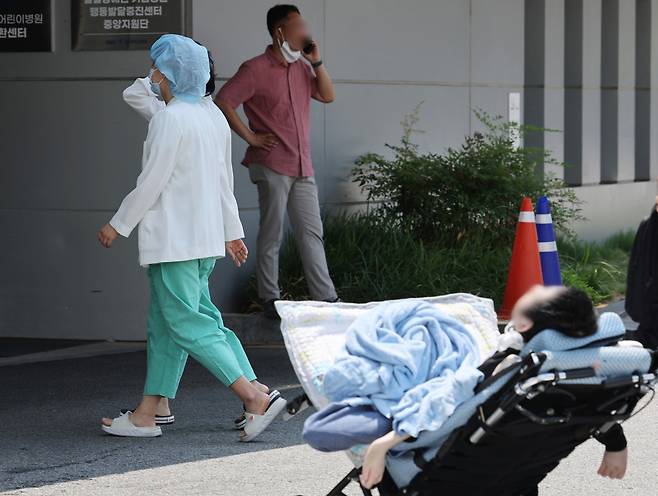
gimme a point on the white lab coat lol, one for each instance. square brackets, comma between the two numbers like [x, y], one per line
[183, 203]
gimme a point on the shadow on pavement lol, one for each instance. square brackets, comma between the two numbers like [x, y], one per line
[50, 416]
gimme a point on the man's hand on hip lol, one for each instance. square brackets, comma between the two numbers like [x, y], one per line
[266, 141]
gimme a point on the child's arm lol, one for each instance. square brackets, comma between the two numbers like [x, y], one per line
[160, 152]
[375, 459]
[140, 97]
[615, 458]
[614, 464]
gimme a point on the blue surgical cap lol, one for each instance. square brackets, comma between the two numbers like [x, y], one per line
[184, 63]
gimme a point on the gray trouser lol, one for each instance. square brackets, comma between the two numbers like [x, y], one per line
[299, 195]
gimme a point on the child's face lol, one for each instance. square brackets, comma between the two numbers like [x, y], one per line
[535, 295]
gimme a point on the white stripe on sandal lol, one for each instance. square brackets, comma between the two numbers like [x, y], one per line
[240, 422]
[159, 419]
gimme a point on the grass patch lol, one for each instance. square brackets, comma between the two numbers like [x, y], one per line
[371, 260]
[598, 268]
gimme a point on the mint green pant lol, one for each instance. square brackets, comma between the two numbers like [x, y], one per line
[184, 321]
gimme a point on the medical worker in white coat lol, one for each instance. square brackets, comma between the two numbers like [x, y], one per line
[141, 98]
[188, 217]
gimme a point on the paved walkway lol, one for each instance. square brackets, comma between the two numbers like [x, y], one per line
[50, 442]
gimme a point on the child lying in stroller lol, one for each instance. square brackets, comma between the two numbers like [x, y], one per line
[568, 310]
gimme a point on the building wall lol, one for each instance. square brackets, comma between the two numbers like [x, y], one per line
[71, 149]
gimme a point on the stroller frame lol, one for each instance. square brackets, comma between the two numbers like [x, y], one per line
[619, 398]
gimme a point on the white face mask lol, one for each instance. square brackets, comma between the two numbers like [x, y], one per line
[155, 87]
[510, 338]
[509, 327]
[289, 54]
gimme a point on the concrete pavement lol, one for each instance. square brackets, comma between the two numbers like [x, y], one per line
[50, 442]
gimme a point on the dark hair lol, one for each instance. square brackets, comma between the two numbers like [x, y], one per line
[210, 85]
[571, 312]
[277, 14]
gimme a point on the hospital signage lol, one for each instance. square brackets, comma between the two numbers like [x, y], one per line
[25, 26]
[123, 24]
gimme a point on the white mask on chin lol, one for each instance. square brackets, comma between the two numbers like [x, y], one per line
[510, 338]
[289, 54]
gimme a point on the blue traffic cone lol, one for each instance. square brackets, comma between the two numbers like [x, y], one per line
[550, 261]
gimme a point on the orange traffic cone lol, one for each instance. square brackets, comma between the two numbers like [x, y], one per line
[525, 266]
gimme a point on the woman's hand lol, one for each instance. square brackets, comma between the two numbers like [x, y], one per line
[237, 250]
[107, 235]
[614, 464]
[374, 463]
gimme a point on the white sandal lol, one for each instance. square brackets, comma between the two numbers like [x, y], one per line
[256, 424]
[122, 426]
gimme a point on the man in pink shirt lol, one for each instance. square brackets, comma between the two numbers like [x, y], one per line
[275, 90]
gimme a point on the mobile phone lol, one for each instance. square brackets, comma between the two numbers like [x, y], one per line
[308, 46]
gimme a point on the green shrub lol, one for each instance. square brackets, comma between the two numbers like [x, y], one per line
[370, 260]
[474, 189]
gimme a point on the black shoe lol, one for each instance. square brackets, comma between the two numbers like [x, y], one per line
[269, 312]
[333, 300]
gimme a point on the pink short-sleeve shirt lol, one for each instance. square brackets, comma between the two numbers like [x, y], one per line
[277, 99]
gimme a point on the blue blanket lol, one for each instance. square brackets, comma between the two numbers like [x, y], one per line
[410, 361]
